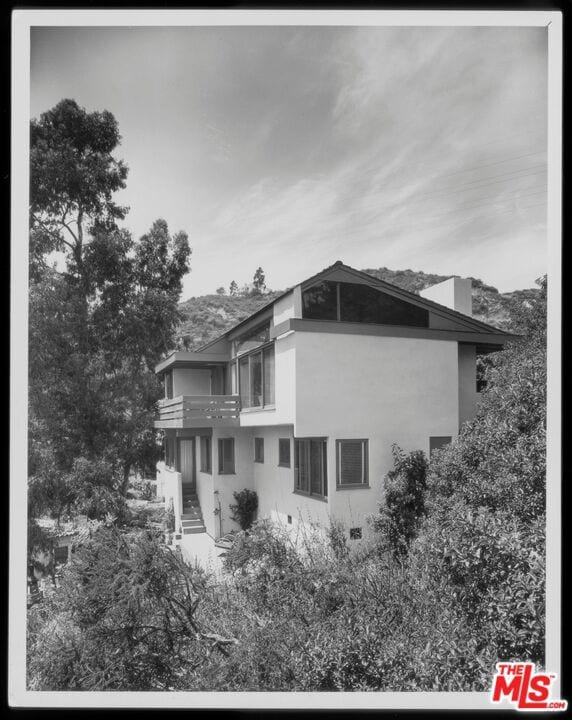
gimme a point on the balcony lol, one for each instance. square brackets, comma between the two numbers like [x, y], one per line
[192, 411]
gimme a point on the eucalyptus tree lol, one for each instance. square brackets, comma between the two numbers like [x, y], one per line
[103, 306]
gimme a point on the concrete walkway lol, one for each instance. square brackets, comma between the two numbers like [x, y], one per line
[200, 548]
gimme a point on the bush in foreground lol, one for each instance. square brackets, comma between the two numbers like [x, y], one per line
[124, 618]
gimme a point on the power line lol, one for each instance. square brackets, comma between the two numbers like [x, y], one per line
[455, 192]
[472, 184]
[469, 169]
[509, 198]
[499, 162]
[462, 220]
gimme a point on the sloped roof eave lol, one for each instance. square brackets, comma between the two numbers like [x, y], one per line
[373, 282]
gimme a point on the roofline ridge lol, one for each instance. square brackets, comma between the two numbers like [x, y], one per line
[339, 264]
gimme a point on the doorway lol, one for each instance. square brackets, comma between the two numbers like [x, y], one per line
[187, 462]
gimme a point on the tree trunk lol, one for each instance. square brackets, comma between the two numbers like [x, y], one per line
[125, 483]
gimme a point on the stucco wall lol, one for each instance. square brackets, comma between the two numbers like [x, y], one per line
[289, 306]
[454, 293]
[241, 479]
[172, 488]
[468, 395]
[275, 484]
[207, 500]
[191, 382]
[385, 390]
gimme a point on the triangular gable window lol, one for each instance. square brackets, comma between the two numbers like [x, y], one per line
[354, 302]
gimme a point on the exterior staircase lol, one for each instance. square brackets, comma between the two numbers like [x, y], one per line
[192, 517]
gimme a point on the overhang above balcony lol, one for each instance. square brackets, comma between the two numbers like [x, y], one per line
[194, 360]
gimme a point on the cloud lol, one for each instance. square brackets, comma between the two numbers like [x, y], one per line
[297, 146]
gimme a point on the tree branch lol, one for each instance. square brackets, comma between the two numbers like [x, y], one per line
[53, 233]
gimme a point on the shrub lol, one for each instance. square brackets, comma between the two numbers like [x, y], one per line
[338, 539]
[169, 519]
[267, 548]
[124, 618]
[245, 508]
[403, 504]
[96, 486]
[148, 491]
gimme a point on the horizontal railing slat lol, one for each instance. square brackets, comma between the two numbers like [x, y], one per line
[206, 407]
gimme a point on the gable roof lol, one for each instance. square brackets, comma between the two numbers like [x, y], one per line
[346, 273]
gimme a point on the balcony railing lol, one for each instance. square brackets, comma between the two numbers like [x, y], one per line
[187, 411]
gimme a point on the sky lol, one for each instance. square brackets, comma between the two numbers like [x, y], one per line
[291, 148]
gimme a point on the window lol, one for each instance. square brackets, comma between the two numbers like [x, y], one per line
[289, 519]
[169, 451]
[268, 355]
[252, 339]
[256, 378]
[364, 304]
[206, 455]
[244, 380]
[169, 385]
[284, 452]
[259, 450]
[355, 533]
[233, 379]
[226, 456]
[352, 463]
[320, 302]
[437, 442]
[359, 303]
[310, 463]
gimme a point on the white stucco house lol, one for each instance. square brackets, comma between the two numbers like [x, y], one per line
[303, 400]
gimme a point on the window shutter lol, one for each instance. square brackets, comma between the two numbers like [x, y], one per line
[284, 452]
[351, 463]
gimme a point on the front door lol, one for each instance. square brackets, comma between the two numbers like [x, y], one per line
[187, 461]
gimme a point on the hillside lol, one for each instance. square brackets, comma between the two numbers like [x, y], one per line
[208, 316]
[489, 305]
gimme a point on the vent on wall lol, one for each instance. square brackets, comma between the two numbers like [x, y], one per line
[355, 533]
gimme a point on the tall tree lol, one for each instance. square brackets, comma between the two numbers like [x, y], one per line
[259, 281]
[233, 289]
[102, 317]
[73, 176]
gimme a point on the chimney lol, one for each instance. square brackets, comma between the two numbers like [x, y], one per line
[454, 293]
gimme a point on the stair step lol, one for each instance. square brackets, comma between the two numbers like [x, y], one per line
[192, 523]
[186, 515]
[193, 530]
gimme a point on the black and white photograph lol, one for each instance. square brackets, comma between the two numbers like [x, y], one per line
[283, 287]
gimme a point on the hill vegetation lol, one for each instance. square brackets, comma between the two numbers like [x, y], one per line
[208, 316]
